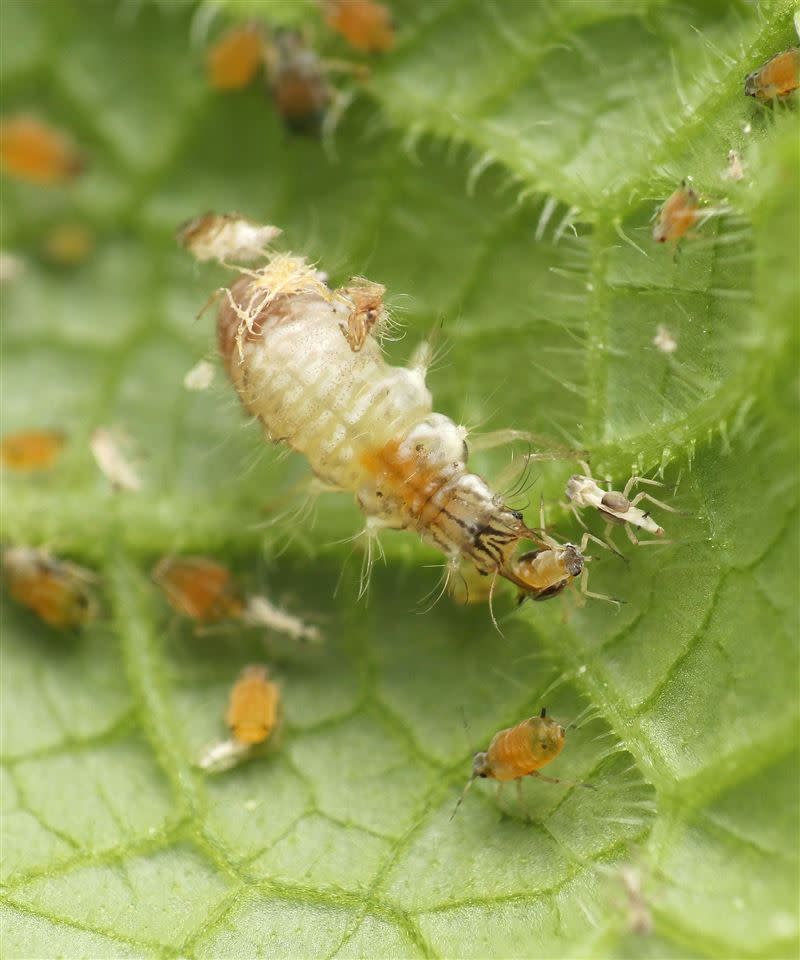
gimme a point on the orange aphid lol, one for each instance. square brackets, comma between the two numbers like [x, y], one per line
[520, 751]
[367, 26]
[199, 588]
[58, 592]
[236, 58]
[253, 706]
[778, 77]
[680, 213]
[31, 450]
[33, 151]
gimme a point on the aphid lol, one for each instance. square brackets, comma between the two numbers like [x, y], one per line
[34, 151]
[680, 213]
[58, 592]
[367, 26]
[68, 244]
[520, 751]
[12, 267]
[777, 78]
[365, 426]
[664, 340]
[297, 82]
[640, 919]
[225, 236]
[735, 169]
[615, 507]
[112, 462]
[259, 612]
[31, 450]
[199, 588]
[236, 58]
[253, 706]
[200, 377]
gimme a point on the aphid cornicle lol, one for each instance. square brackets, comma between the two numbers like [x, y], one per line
[678, 215]
[31, 450]
[364, 426]
[777, 78]
[58, 592]
[584, 491]
[252, 712]
[520, 751]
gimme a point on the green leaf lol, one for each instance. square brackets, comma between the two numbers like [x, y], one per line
[498, 173]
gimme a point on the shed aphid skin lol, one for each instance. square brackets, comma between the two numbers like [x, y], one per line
[234, 60]
[364, 426]
[199, 588]
[259, 612]
[680, 212]
[253, 707]
[520, 751]
[31, 450]
[583, 491]
[664, 340]
[59, 593]
[777, 78]
[366, 25]
[107, 452]
[226, 237]
[34, 151]
[199, 377]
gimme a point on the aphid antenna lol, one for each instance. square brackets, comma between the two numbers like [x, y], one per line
[461, 798]
[624, 236]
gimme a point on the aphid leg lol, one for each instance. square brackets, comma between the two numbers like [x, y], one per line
[602, 543]
[569, 783]
[585, 592]
[642, 543]
[461, 798]
[646, 496]
[607, 539]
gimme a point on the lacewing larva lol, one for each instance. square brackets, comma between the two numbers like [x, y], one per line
[289, 346]
[777, 78]
[34, 151]
[520, 751]
[199, 588]
[58, 592]
[252, 712]
[31, 450]
[366, 25]
[235, 59]
[678, 215]
[615, 507]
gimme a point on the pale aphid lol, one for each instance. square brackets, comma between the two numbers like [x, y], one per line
[365, 426]
[777, 78]
[366, 25]
[223, 755]
[199, 588]
[259, 612]
[12, 267]
[226, 237]
[58, 592]
[680, 212]
[68, 244]
[199, 377]
[665, 340]
[235, 59]
[520, 751]
[735, 170]
[640, 919]
[31, 450]
[253, 707]
[32, 150]
[106, 448]
[615, 507]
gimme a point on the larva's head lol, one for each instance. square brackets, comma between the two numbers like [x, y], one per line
[546, 736]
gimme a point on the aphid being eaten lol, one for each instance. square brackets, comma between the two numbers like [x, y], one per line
[235, 59]
[364, 426]
[614, 507]
[59, 593]
[252, 716]
[34, 151]
[225, 236]
[199, 588]
[777, 78]
[31, 450]
[679, 214]
[366, 25]
[520, 751]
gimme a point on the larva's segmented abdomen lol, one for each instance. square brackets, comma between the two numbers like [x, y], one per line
[300, 377]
